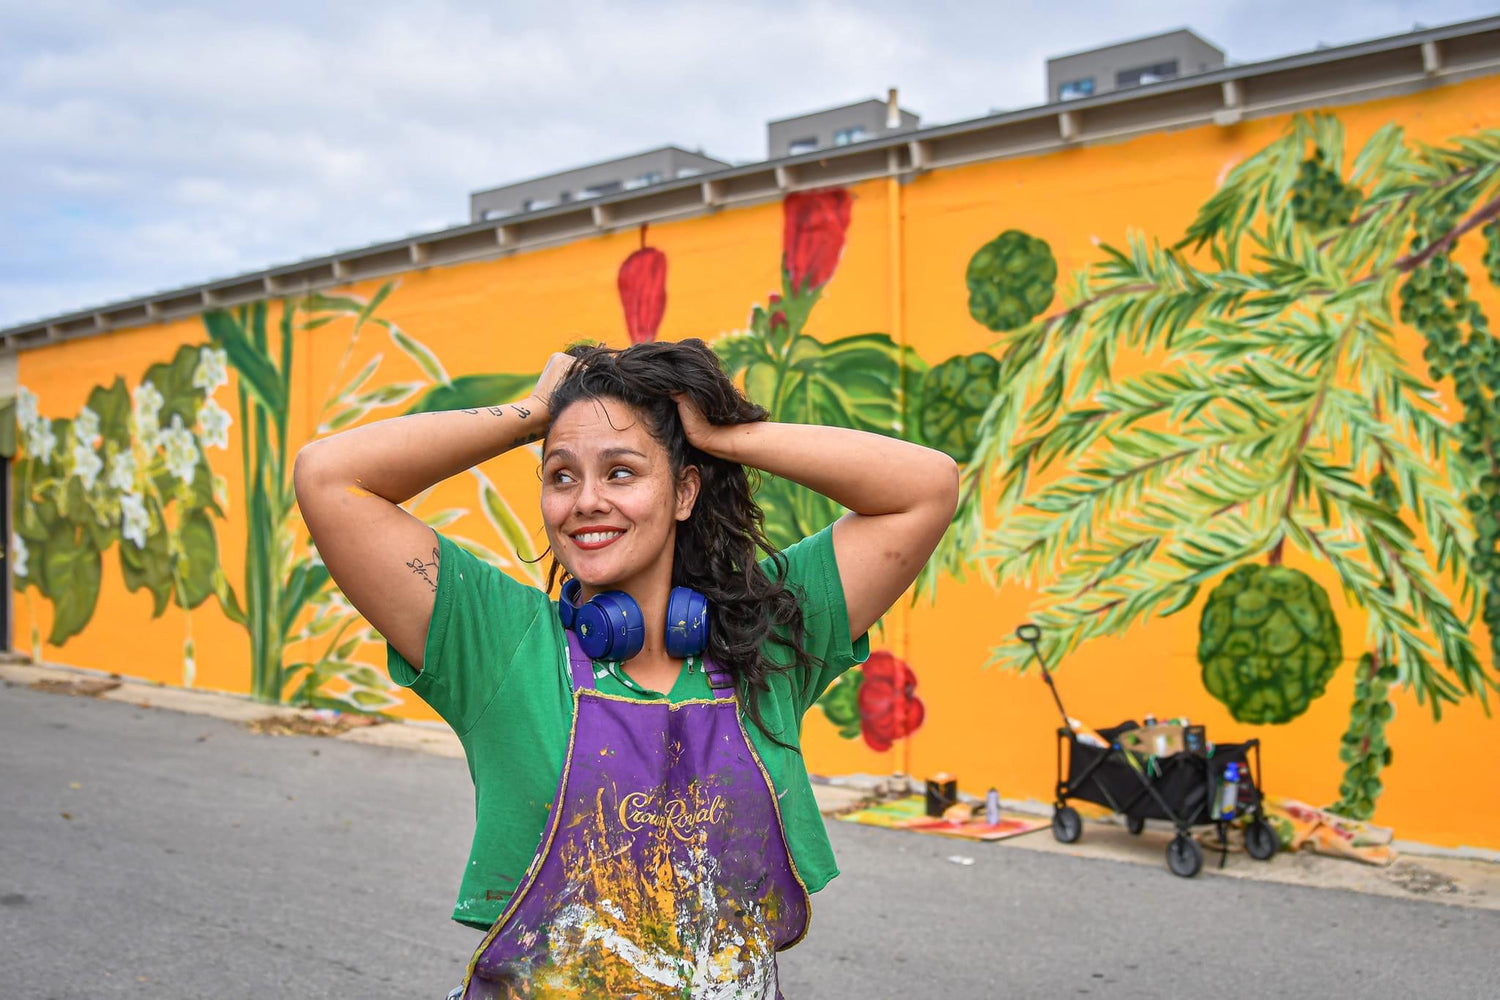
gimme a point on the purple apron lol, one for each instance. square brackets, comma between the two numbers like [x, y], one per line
[664, 871]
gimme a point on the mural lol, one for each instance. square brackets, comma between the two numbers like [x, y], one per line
[1276, 410]
[129, 472]
[1256, 440]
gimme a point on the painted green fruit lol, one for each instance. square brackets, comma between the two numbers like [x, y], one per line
[1320, 200]
[954, 397]
[1268, 643]
[1492, 251]
[840, 703]
[1011, 279]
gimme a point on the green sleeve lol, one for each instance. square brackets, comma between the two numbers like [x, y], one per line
[812, 573]
[479, 618]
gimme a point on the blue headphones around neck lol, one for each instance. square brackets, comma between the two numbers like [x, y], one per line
[610, 625]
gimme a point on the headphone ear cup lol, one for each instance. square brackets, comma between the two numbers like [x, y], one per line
[567, 605]
[615, 619]
[687, 622]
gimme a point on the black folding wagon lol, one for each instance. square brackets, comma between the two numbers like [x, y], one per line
[1199, 785]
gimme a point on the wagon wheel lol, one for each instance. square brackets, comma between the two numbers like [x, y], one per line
[1135, 824]
[1067, 825]
[1184, 856]
[1260, 840]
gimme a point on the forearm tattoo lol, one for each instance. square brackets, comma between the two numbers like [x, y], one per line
[426, 570]
[498, 411]
[523, 412]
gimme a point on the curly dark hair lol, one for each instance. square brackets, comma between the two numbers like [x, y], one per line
[715, 551]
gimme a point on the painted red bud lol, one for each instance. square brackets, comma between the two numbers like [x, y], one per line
[643, 292]
[815, 224]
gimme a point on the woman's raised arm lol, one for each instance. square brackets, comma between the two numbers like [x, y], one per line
[901, 497]
[350, 487]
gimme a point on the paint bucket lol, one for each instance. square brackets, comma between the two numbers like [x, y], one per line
[942, 792]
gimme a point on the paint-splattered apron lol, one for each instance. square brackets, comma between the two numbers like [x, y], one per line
[664, 871]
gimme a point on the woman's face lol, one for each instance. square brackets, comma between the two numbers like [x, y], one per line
[609, 501]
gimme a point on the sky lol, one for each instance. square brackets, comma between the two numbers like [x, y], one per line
[147, 146]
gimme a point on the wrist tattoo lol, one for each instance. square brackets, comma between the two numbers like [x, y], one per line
[523, 411]
[421, 569]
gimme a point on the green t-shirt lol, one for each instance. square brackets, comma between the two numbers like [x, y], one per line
[496, 669]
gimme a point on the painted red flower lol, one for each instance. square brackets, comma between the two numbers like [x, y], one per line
[815, 223]
[888, 706]
[643, 291]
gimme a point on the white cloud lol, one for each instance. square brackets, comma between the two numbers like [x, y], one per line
[151, 146]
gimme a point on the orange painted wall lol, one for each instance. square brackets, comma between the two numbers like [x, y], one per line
[987, 726]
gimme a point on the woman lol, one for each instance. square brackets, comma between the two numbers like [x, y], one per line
[644, 821]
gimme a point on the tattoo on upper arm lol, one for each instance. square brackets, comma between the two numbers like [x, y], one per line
[523, 411]
[421, 568]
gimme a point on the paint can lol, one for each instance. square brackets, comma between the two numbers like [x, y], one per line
[942, 792]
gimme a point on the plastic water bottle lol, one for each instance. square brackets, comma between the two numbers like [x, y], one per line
[1229, 791]
[992, 808]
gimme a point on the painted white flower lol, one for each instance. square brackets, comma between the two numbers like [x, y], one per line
[134, 521]
[40, 440]
[212, 370]
[18, 560]
[122, 471]
[214, 421]
[87, 464]
[26, 408]
[86, 427]
[181, 450]
[148, 400]
[148, 403]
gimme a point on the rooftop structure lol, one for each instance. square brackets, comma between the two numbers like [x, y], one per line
[627, 173]
[845, 125]
[1130, 64]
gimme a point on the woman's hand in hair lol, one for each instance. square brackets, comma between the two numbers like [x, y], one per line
[555, 371]
[712, 439]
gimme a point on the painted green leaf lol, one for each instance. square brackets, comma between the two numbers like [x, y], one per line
[850, 382]
[198, 561]
[228, 602]
[255, 368]
[365, 677]
[102, 534]
[36, 519]
[72, 570]
[75, 506]
[343, 418]
[149, 567]
[371, 700]
[36, 554]
[505, 522]
[390, 394]
[469, 392]
[418, 352]
[113, 407]
[306, 580]
[358, 381]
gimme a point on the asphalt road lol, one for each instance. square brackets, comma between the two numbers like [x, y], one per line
[196, 860]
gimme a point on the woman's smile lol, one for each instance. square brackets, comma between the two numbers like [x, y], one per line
[592, 539]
